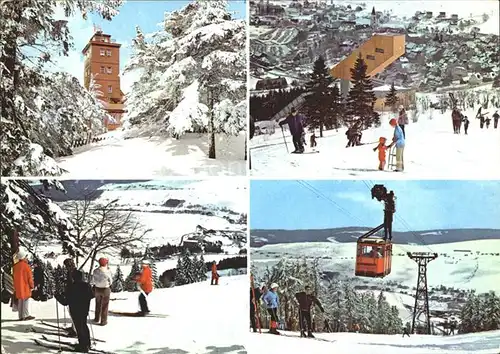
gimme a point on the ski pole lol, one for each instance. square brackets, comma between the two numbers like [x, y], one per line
[58, 328]
[91, 330]
[256, 314]
[284, 139]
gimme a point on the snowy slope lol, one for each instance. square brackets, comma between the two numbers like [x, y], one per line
[349, 343]
[117, 157]
[432, 150]
[453, 269]
[197, 321]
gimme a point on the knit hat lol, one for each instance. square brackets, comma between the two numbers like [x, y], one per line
[103, 262]
[21, 254]
[393, 122]
[274, 286]
[382, 140]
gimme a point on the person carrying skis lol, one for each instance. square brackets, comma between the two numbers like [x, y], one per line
[101, 281]
[466, 124]
[79, 295]
[271, 300]
[306, 299]
[253, 310]
[145, 282]
[215, 275]
[23, 285]
[382, 149]
[295, 123]
[495, 119]
[403, 119]
[399, 141]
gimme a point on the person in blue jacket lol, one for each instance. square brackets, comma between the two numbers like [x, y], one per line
[295, 123]
[272, 302]
[399, 141]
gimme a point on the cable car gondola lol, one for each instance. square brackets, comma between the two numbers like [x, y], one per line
[374, 253]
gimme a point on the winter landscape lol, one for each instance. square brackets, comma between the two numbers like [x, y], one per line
[117, 89]
[311, 240]
[191, 234]
[350, 67]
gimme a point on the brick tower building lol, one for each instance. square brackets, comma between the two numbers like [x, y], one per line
[102, 61]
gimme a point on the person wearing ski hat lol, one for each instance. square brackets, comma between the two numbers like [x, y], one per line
[306, 299]
[295, 123]
[271, 300]
[79, 296]
[215, 275]
[382, 148]
[402, 119]
[399, 141]
[145, 281]
[101, 281]
[257, 292]
[23, 286]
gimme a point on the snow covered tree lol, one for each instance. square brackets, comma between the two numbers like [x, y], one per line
[118, 282]
[491, 312]
[391, 99]
[130, 282]
[156, 280]
[59, 280]
[183, 275]
[49, 282]
[361, 97]
[470, 315]
[202, 269]
[192, 74]
[29, 27]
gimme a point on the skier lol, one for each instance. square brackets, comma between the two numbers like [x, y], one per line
[453, 326]
[312, 141]
[456, 119]
[296, 126]
[253, 310]
[382, 148]
[326, 326]
[215, 275]
[481, 116]
[23, 285]
[399, 141]
[354, 134]
[466, 124]
[69, 266]
[101, 281]
[389, 210]
[487, 121]
[306, 299]
[271, 300]
[79, 295]
[39, 281]
[495, 119]
[145, 282]
[402, 119]
[406, 332]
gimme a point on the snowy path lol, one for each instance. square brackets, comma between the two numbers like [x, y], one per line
[432, 151]
[140, 158]
[200, 319]
[349, 343]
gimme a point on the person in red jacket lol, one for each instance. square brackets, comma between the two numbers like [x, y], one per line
[145, 282]
[23, 285]
[382, 148]
[215, 275]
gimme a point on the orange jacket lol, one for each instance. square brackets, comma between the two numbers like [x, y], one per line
[145, 280]
[381, 151]
[214, 269]
[23, 280]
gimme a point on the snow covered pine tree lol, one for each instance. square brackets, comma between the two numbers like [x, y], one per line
[192, 74]
[118, 282]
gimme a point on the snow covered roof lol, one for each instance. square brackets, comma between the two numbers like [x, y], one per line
[386, 88]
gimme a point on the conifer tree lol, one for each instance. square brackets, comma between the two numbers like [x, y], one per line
[202, 269]
[118, 282]
[181, 275]
[49, 281]
[491, 310]
[361, 97]
[59, 280]
[130, 282]
[391, 99]
[156, 280]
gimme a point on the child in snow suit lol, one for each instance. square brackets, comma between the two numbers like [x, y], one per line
[102, 279]
[466, 124]
[495, 119]
[487, 121]
[215, 275]
[78, 296]
[313, 141]
[382, 148]
[145, 281]
[272, 302]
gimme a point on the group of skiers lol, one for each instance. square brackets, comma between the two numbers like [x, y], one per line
[77, 294]
[484, 120]
[305, 300]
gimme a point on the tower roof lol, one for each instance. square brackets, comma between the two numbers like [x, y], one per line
[97, 39]
[373, 10]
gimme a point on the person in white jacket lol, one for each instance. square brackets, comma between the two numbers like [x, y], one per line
[101, 281]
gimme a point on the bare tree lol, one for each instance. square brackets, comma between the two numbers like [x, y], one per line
[102, 227]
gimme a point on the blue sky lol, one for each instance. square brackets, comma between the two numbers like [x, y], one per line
[145, 14]
[420, 205]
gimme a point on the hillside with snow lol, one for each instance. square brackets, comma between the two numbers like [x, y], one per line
[185, 319]
[431, 150]
[348, 343]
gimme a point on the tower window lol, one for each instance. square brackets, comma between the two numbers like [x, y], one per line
[103, 70]
[379, 50]
[109, 71]
[108, 53]
[101, 52]
[110, 89]
[371, 57]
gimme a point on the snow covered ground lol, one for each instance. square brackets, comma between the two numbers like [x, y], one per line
[348, 343]
[477, 269]
[432, 151]
[120, 158]
[199, 319]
